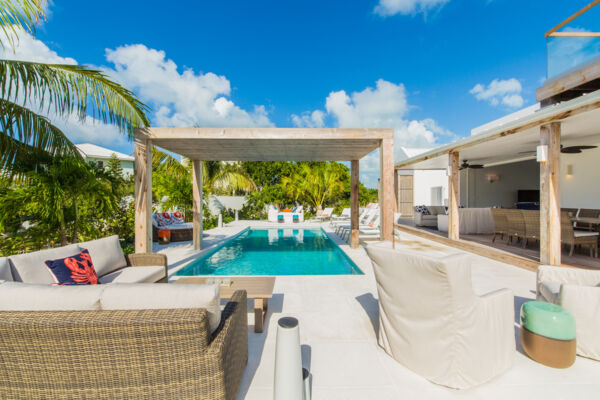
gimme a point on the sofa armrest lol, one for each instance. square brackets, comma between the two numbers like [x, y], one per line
[230, 342]
[573, 276]
[583, 302]
[149, 259]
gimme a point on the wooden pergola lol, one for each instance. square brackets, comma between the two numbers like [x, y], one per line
[261, 144]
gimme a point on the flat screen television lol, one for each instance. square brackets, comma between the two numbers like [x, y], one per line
[528, 196]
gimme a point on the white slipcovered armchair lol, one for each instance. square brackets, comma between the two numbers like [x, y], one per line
[432, 322]
[578, 291]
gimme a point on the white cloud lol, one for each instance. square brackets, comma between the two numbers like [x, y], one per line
[315, 119]
[506, 92]
[28, 48]
[382, 106]
[388, 8]
[90, 130]
[182, 98]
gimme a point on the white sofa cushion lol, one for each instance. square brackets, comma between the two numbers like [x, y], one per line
[18, 296]
[30, 267]
[550, 290]
[157, 296]
[5, 273]
[106, 254]
[140, 274]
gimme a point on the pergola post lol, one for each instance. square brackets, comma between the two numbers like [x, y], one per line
[143, 195]
[197, 192]
[354, 203]
[453, 196]
[386, 194]
[550, 225]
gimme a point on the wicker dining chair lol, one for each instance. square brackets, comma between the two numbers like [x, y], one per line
[587, 213]
[500, 223]
[532, 225]
[516, 224]
[574, 237]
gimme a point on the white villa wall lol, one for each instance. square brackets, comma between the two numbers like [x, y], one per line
[424, 181]
[218, 203]
[476, 191]
[582, 188]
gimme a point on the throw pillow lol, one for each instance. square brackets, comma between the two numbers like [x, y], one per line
[75, 270]
[163, 219]
[177, 218]
[422, 210]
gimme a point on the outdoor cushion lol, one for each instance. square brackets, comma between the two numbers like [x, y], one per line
[177, 218]
[5, 274]
[137, 297]
[550, 290]
[77, 269]
[17, 296]
[106, 254]
[142, 274]
[173, 227]
[577, 233]
[30, 267]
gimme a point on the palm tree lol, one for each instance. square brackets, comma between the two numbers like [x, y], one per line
[314, 184]
[217, 176]
[28, 89]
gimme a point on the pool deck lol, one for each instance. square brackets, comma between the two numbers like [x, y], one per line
[338, 317]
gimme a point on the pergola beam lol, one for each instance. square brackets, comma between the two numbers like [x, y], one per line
[197, 194]
[550, 225]
[453, 196]
[354, 203]
[143, 195]
[386, 195]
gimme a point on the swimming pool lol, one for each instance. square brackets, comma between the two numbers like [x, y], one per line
[275, 252]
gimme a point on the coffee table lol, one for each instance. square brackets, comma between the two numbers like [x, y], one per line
[258, 288]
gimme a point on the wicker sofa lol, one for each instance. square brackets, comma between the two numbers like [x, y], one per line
[107, 256]
[121, 341]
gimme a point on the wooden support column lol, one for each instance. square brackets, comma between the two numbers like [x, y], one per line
[453, 196]
[396, 192]
[143, 195]
[386, 194]
[550, 235]
[197, 192]
[354, 203]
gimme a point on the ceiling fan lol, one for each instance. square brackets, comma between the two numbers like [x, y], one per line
[566, 150]
[465, 164]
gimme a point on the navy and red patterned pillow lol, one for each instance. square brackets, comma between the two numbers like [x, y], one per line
[177, 218]
[75, 270]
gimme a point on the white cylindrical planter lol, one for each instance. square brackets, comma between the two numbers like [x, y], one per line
[289, 384]
[236, 215]
[220, 223]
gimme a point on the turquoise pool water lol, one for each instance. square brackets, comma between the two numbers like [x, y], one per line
[275, 252]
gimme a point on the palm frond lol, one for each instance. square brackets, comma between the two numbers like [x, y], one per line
[66, 89]
[168, 164]
[18, 15]
[231, 177]
[24, 133]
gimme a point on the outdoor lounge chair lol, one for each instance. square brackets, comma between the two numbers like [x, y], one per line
[578, 291]
[326, 214]
[574, 237]
[343, 230]
[432, 322]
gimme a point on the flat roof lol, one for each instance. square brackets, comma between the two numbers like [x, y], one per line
[517, 140]
[267, 144]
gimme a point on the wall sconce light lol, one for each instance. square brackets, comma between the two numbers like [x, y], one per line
[491, 178]
[542, 153]
[570, 170]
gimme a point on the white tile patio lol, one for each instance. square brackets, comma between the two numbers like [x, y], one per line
[338, 323]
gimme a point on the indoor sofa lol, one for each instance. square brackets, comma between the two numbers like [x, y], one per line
[427, 215]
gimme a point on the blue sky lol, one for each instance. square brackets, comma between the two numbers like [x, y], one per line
[424, 67]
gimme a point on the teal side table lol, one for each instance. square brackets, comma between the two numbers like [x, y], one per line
[548, 334]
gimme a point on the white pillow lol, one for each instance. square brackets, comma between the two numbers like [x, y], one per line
[155, 296]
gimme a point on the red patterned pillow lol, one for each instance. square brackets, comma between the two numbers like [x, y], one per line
[74, 270]
[177, 218]
[164, 219]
